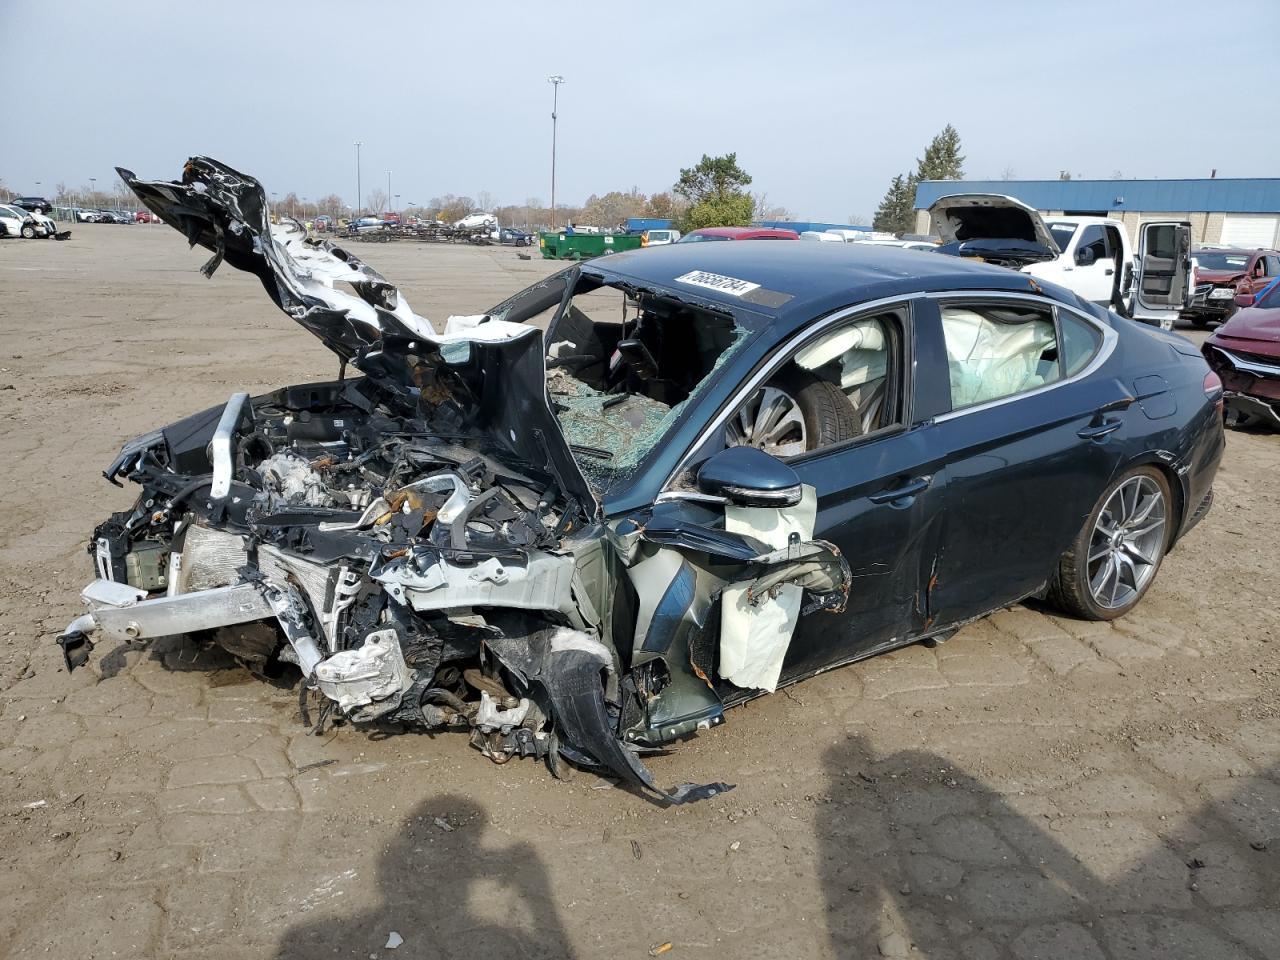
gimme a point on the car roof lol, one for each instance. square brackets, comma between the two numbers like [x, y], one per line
[798, 281]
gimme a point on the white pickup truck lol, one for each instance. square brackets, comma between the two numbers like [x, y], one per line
[1089, 255]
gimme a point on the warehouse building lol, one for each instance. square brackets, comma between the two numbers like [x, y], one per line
[1239, 213]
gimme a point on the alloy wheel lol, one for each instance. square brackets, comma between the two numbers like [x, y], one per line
[770, 421]
[1127, 542]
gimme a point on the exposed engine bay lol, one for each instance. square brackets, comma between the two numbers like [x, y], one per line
[419, 542]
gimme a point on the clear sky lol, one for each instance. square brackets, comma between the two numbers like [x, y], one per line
[823, 102]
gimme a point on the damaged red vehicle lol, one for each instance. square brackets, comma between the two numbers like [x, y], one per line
[1221, 274]
[1245, 353]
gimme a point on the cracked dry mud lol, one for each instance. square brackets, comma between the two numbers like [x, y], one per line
[1036, 787]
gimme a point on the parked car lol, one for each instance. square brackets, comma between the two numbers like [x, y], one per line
[475, 220]
[115, 216]
[46, 226]
[660, 237]
[1221, 273]
[17, 222]
[33, 204]
[723, 469]
[926, 245]
[1090, 255]
[367, 225]
[145, 216]
[704, 234]
[85, 215]
[821, 236]
[1245, 353]
[517, 238]
[323, 223]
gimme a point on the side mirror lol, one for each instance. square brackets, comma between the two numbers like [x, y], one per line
[749, 477]
[1244, 299]
[1085, 256]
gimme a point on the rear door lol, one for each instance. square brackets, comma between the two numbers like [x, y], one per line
[1163, 271]
[1031, 440]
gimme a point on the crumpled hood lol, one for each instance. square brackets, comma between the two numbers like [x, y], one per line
[1218, 276]
[492, 376]
[992, 225]
[1253, 323]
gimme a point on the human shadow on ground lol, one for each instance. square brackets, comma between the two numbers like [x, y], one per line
[452, 887]
[920, 859]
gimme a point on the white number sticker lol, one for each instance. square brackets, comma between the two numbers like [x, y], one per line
[714, 281]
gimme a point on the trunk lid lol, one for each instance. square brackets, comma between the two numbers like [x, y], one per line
[993, 227]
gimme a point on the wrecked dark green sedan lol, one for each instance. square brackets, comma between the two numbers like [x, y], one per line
[580, 525]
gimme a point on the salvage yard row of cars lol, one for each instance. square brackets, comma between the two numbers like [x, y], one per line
[723, 468]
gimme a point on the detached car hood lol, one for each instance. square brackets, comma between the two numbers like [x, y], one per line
[489, 379]
[1252, 323]
[993, 227]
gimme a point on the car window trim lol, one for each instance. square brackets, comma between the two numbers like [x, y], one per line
[781, 355]
[1100, 356]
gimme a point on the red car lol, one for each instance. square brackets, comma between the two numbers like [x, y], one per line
[737, 233]
[143, 216]
[1245, 353]
[1223, 272]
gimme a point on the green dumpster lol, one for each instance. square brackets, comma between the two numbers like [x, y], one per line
[584, 246]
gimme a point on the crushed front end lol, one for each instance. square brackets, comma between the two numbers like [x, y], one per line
[419, 543]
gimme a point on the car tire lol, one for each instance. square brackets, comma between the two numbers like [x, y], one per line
[1079, 585]
[28, 232]
[829, 415]
[1200, 323]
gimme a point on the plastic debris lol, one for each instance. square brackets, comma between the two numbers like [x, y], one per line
[393, 940]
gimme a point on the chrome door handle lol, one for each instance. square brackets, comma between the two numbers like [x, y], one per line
[1096, 431]
[909, 489]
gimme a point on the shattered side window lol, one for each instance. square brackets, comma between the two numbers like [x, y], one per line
[623, 365]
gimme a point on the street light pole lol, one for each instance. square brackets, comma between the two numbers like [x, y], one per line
[555, 81]
[359, 201]
[388, 191]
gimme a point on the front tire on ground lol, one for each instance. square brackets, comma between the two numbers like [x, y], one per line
[1115, 557]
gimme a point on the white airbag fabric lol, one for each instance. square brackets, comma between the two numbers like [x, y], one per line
[754, 639]
[988, 359]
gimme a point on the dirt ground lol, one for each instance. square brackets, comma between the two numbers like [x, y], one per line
[1037, 787]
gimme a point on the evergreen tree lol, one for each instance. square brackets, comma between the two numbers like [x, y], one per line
[942, 159]
[896, 213]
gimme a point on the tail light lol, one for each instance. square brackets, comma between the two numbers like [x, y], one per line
[1213, 389]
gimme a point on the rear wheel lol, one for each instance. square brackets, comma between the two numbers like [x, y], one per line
[1116, 555]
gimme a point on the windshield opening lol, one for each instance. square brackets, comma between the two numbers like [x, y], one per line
[1217, 260]
[623, 365]
[1062, 233]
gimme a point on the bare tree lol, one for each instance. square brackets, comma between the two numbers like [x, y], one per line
[858, 220]
[762, 209]
[1009, 174]
[484, 201]
[377, 200]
